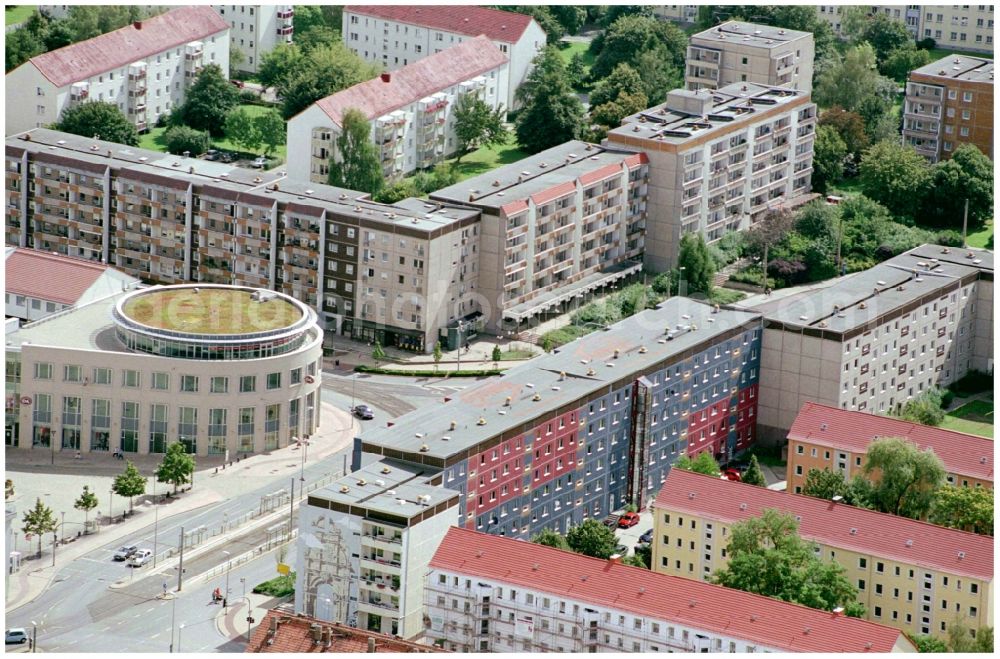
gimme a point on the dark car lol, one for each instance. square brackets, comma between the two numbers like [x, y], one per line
[125, 552]
[211, 154]
[611, 521]
[621, 550]
[363, 412]
[646, 537]
[628, 520]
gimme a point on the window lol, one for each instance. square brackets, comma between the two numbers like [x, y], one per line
[189, 383]
[248, 384]
[296, 376]
[102, 376]
[130, 378]
[43, 371]
[72, 373]
[219, 384]
[274, 380]
[161, 381]
[967, 97]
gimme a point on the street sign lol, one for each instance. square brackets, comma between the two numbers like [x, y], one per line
[283, 568]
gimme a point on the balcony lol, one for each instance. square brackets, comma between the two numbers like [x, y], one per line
[285, 31]
[285, 14]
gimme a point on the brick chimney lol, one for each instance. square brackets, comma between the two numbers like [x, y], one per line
[386, 77]
[615, 559]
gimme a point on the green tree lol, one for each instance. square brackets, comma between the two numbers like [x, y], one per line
[611, 114]
[659, 74]
[699, 268]
[904, 478]
[849, 80]
[26, 41]
[895, 176]
[39, 521]
[965, 508]
[960, 639]
[378, 353]
[643, 557]
[769, 231]
[924, 408]
[98, 118]
[576, 71]
[279, 65]
[571, 17]
[236, 59]
[927, 643]
[242, 130]
[901, 61]
[325, 70]
[477, 125]
[437, 354]
[885, 35]
[703, 463]
[271, 128]
[551, 114]
[629, 36]
[208, 101]
[968, 174]
[622, 80]
[355, 165]
[86, 502]
[550, 538]
[130, 483]
[829, 152]
[984, 640]
[182, 138]
[768, 557]
[544, 16]
[497, 356]
[753, 474]
[850, 126]
[177, 466]
[827, 484]
[853, 21]
[547, 343]
[591, 538]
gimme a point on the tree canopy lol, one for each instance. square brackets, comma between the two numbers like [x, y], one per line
[86, 502]
[177, 466]
[904, 478]
[551, 113]
[182, 138]
[829, 151]
[477, 125]
[591, 538]
[703, 463]
[632, 35]
[130, 483]
[896, 176]
[968, 174]
[753, 475]
[925, 408]
[550, 538]
[699, 268]
[355, 165]
[208, 101]
[38, 521]
[965, 508]
[92, 118]
[885, 35]
[320, 72]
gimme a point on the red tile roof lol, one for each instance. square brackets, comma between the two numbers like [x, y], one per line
[415, 81]
[293, 635]
[514, 207]
[600, 174]
[556, 191]
[637, 159]
[966, 455]
[838, 525]
[498, 25]
[120, 48]
[52, 277]
[753, 618]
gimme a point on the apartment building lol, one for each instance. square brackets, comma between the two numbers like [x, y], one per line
[399, 273]
[959, 27]
[875, 339]
[718, 161]
[364, 545]
[949, 103]
[825, 437]
[283, 632]
[914, 576]
[489, 594]
[556, 226]
[910, 15]
[255, 30]
[687, 14]
[583, 431]
[98, 379]
[735, 52]
[143, 68]
[38, 284]
[398, 35]
[411, 111]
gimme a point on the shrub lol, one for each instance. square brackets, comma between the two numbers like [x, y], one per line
[927, 44]
[249, 96]
[361, 368]
[564, 335]
[971, 383]
[282, 586]
[181, 138]
[949, 238]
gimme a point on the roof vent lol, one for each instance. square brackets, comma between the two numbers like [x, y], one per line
[537, 397]
[534, 566]
[481, 422]
[854, 531]
[982, 460]
[743, 506]
[591, 371]
[823, 426]
[807, 630]
[386, 470]
[362, 482]
[909, 543]
[691, 603]
[452, 425]
[863, 305]
[617, 352]
[753, 617]
[562, 375]
[838, 611]
[643, 350]
[837, 498]
[691, 495]
[506, 401]
[961, 554]
[424, 448]
[344, 489]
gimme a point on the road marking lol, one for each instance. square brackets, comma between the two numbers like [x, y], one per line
[154, 635]
[150, 609]
[106, 629]
[122, 622]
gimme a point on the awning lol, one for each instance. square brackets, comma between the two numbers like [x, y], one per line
[552, 299]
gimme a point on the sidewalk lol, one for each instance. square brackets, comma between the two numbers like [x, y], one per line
[351, 353]
[336, 433]
[233, 623]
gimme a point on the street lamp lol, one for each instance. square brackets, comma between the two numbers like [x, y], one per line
[156, 519]
[458, 351]
[243, 582]
[680, 278]
[229, 566]
[173, 611]
[180, 630]
[111, 494]
[34, 635]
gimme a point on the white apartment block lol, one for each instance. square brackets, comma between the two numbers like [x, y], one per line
[736, 52]
[411, 111]
[488, 593]
[556, 226]
[364, 544]
[144, 68]
[256, 29]
[398, 35]
[959, 27]
[718, 160]
[677, 13]
[873, 340]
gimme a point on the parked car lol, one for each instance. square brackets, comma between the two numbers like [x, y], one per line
[628, 520]
[212, 154]
[125, 552]
[15, 635]
[611, 521]
[237, 83]
[646, 537]
[225, 156]
[732, 475]
[260, 161]
[140, 558]
[363, 412]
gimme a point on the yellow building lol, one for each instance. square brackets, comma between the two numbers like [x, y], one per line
[826, 437]
[911, 575]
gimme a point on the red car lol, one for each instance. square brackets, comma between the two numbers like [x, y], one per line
[628, 520]
[732, 475]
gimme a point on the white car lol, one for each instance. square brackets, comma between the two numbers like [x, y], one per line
[16, 635]
[260, 161]
[140, 558]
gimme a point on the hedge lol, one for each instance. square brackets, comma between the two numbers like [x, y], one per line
[361, 368]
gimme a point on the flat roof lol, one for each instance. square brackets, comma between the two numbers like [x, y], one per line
[959, 67]
[208, 309]
[529, 176]
[589, 366]
[414, 214]
[908, 541]
[81, 328]
[609, 584]
[388, 487]
[751, 34]
[856, 300]
[731, 105]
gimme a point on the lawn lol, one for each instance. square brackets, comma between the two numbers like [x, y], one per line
[938, 53]
[569, 48]
[210, 311]
[154, 139]
[975, 418]
[488, 158]
[15, 14]
[512, 355]
[848, 187]
[982, 238]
